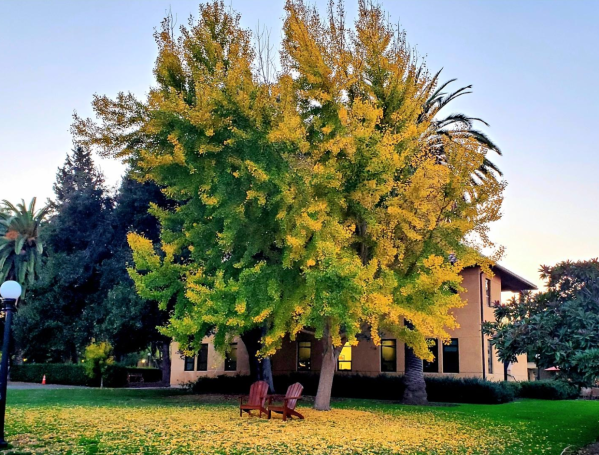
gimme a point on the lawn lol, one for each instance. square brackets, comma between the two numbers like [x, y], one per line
[90, 421]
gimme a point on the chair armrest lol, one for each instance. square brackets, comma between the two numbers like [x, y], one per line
[275, 397]
[293, 398]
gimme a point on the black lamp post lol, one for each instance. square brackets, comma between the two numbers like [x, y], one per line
[10, 291]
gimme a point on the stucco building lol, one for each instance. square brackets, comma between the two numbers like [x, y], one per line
[468, 355]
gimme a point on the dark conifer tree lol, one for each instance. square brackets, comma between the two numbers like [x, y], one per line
[58, 320]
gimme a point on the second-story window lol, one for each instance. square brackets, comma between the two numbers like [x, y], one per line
[488, 291]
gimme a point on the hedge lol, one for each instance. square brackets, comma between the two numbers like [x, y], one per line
[548, 389]
[74, 374]
[468, 390]
[149, 374]
[56, 373]
[440, 389]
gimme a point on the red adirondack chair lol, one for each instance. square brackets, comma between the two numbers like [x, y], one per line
[294, 393]
[255, 400]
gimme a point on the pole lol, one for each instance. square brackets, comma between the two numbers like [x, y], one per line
[9, 308]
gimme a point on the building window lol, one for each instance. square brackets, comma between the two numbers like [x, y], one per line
[203, 358]
[304, 355]
[231, 358]
[451, 357]
[488, 291]
[388, 355]
[189, 361]
[432, 367]
[344, 362]
[490, 357]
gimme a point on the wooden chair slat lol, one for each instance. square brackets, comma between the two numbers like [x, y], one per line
[294, 392]
[256, 399]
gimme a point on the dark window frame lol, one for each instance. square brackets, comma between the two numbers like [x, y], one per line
[230, 362]
[451, 358]
[432, 367]
[306, 363]
[389, 366]
[188, 363]
[202, 360]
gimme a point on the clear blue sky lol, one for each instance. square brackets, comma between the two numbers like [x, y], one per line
[533, 64]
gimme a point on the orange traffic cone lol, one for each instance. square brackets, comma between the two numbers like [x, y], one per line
[44, 380]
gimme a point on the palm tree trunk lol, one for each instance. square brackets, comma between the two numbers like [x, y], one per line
[415, 387]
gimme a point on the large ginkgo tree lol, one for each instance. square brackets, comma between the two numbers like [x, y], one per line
[310, 202]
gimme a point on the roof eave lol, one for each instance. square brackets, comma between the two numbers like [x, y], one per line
[512, 282]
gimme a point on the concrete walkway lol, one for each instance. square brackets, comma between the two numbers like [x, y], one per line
[32, 385]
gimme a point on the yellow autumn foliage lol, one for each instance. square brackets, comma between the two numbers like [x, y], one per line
[215, 428]
[323, 199]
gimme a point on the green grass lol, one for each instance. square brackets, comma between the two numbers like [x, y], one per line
[547, 426]
[117, 421]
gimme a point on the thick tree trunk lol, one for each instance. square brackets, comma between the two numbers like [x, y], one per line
[251, 340]
[260, 369]
[165, 364]
[505, 367]
[415, 387]
[322, 402]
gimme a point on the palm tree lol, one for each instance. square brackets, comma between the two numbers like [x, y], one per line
[455, 127]
[20, 246]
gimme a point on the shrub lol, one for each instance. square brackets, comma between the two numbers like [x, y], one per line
[468, 390]
[548, 390]
[448, 390]
[98, 359]
[115, 375]
[56, 373]
[75, 374]
[226, 385]
[149, 374]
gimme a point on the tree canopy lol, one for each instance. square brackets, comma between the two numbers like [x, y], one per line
[559, 327]
[84, 291]
[312, 201]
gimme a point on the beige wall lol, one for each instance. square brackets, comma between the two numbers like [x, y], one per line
[216, 364]
[366, 357]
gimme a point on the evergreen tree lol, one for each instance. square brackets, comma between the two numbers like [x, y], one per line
[59, 321]
[86, 292]
[125, 319]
